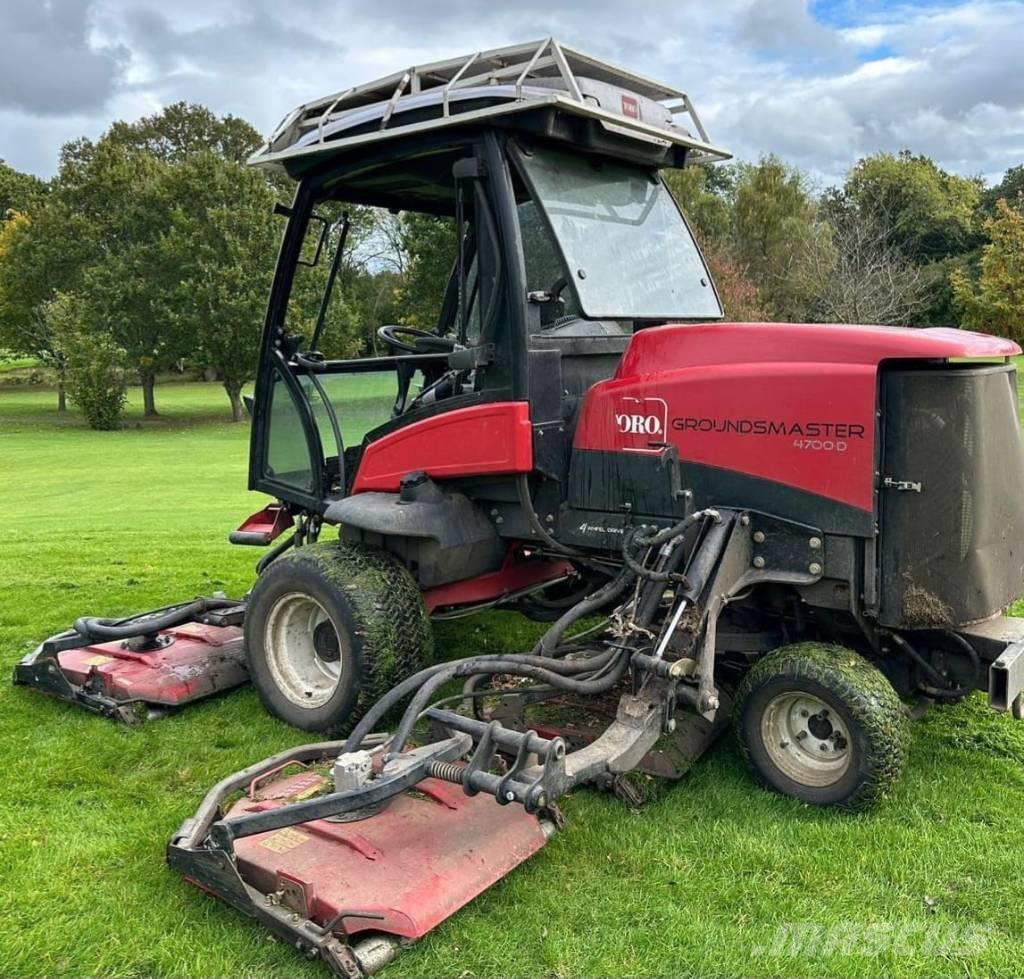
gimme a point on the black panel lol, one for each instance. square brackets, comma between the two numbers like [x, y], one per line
[652, 484]
[952, 495]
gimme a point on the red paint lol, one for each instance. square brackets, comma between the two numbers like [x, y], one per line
[480, 440]
[516, 575]
[202, 660]
[270, 522]
[667, 348]
[790, 403]
[415, 863]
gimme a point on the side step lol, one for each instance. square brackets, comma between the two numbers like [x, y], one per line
[137, 678]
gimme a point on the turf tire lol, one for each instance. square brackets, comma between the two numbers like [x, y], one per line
[868, 708]
[377, 612]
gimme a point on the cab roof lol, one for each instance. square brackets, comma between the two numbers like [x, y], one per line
[491, 86]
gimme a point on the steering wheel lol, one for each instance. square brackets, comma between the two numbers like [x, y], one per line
[391, 335]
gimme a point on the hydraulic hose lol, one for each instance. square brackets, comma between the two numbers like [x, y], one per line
[504, 661]
[581, 687]
[147, 623]
[606, 593]
[636, 540]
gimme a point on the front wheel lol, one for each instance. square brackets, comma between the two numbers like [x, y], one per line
[329, 629]
[820, 723]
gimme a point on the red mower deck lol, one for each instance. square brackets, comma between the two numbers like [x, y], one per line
[401, 871]
[180, 665]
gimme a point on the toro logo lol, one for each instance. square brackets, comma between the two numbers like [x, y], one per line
[642, 423]
[630, 107]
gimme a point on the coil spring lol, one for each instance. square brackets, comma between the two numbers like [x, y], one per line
[447, 771]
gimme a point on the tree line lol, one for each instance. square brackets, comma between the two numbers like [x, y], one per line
[152, 250]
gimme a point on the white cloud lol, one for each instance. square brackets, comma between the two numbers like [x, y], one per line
[766, 77]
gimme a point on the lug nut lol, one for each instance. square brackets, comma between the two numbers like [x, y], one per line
[800, 735]
[783, 743]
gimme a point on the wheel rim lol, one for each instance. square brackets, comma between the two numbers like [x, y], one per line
[806, 739]
[304, 650]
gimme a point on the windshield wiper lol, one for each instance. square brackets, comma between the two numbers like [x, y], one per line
[329, 288]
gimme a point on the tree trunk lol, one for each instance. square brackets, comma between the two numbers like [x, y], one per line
[148, 379]
[62, 397]
[235, 397]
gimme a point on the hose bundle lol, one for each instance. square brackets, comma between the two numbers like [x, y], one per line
[587, 673]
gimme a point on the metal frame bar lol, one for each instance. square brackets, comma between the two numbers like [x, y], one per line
[516, 64]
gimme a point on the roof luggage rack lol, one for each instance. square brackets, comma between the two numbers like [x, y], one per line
[490, 84]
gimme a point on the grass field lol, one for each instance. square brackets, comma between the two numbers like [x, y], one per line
[696, 884]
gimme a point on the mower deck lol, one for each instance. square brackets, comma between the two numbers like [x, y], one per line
[130, 681]
[401, 870]
[352, 887]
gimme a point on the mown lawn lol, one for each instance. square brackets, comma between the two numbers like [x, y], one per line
[696, 884]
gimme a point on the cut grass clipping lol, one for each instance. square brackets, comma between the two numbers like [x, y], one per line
[718, 877]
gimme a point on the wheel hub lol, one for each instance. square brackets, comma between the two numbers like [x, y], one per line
[806, 739]
[304, 650]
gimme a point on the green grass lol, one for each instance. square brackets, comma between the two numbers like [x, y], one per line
[16, 364]
[692, 885]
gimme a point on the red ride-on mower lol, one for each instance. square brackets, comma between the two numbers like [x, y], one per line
[791, 528]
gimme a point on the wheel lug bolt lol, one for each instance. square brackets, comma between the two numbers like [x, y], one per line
[804, 713]
[801, 735]
[823, 747]
[783, 744]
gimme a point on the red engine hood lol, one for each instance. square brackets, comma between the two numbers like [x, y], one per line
[677, 346]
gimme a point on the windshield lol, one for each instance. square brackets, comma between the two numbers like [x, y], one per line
[623, 239]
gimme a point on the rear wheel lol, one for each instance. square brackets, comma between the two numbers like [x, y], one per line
[330, 628]
[820, 723]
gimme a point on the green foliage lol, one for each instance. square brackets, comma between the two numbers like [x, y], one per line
[931, 214]
[428, 244]
[994, 302]
[773, 214]
[1009, 189]
[93, 363]
[704, 194]
[19, 192]
[220, 246]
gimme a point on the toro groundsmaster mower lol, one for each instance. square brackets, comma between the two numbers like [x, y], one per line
[794, 529]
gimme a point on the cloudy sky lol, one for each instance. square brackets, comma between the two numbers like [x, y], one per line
[819, 83]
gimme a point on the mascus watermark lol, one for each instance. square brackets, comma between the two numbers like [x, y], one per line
[806, 939]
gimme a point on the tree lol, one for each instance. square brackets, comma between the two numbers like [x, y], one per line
[19, 192]
[704, 195]
[773, 212]
[1009, 189]
[94, 364]
[428, 246]
[741, 301]
[854, 274]
[931, 213]
[184, 129]
[39, 255]
[993, 304]
[221, 246]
